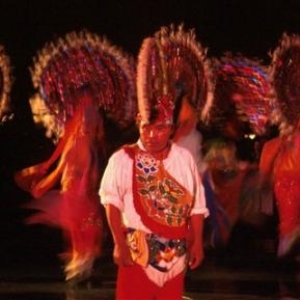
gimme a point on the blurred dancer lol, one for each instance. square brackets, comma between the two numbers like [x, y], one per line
[241, 106]
[187, 135]
[224, 181]
[279, 162]
[81, 81]
[65, 188]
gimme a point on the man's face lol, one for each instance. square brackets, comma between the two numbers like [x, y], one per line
[224, 160]
[155, 136]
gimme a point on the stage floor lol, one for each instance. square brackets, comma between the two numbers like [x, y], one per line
[241, 281]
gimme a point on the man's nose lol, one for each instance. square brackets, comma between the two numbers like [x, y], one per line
[151, 133]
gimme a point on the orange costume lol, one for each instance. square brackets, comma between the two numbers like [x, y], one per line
[280, 164]
[67, 196]
[79, 78]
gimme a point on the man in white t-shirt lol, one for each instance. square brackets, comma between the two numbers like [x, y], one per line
[155, 207]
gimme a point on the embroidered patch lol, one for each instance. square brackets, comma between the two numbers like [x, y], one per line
[162, 197]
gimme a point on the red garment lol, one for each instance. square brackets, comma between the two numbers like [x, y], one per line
[280, 164]
[287, 193]
[287, 184]
[146, 289]
[67, 195]
[227, 195]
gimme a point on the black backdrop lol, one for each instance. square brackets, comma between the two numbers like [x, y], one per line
[250, 27]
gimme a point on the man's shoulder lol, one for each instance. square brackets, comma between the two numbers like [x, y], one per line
[179, 149]
[123, 151]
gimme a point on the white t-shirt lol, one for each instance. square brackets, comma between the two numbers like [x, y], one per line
[116, 183]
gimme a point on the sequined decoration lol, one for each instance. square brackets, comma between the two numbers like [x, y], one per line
[285, 74]
[85, 60]
[243, 89]
[92, 220]
[173, 63]
[6, 81]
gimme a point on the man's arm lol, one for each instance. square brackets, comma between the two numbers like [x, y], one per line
[122, 255]
[196, 252]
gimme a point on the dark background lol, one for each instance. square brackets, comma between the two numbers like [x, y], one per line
[252, 28]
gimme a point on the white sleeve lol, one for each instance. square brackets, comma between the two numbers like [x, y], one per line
[111, 187]
[199, 206]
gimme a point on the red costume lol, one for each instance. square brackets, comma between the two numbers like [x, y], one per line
[79, 78]
[280, 164]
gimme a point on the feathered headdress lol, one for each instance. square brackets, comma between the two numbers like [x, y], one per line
[5, 86]
[285, 75]
[84, 61]
[242, 90]
[172, 64]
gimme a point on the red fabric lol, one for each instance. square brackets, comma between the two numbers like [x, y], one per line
[229, 190]
[133, 284]
[287, 185]
[75, 206]
[287, 191]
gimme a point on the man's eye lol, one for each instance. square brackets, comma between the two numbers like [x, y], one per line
[164, 128]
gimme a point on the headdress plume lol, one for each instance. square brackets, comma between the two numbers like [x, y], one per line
[242, 90]
[83, 60]
[285, 75]
[172, 63]
[6, 81]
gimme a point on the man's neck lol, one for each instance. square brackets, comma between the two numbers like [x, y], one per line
[159, 155]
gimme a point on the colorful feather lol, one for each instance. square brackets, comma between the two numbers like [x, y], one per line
[85, 61]
[285, 75]
[173, 63]
[6, 81]
[242, 90]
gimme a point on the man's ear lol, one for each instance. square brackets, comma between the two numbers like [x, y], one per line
[138, 119]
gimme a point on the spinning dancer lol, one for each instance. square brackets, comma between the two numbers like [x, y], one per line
[241, 105]
[81, 79]
[279, 163]
[188, 114]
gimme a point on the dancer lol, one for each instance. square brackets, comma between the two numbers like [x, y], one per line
[187, 135]
[188, 115]
[79, 87]
[279, 162]
[67, 195]
[241, 106]
[151, 189]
